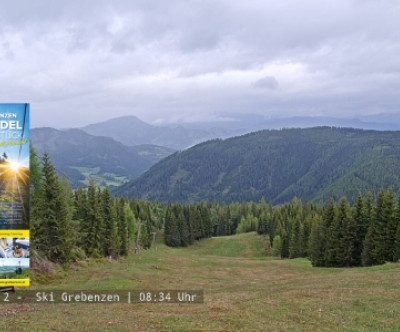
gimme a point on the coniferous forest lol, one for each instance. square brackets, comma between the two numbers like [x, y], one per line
[68, 225]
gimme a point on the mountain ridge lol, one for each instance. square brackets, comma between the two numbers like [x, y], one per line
[312, 164]
[130, 130]
[80, 155]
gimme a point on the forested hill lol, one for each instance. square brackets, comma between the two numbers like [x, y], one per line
[312, 164]
[82, 156]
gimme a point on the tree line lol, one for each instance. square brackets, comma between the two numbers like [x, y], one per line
[366, 234]
[335, 235]
[88, 222]
[71, 224]
[186, 224]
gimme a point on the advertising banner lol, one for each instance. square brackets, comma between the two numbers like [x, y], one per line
[14, 195]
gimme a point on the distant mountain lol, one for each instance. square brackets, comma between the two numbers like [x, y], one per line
[82, 156]
[312, 164]
[246, 123]
[130, 130]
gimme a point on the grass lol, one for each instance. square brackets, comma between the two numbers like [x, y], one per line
[100, 179]
[12, 275]
[243, 291]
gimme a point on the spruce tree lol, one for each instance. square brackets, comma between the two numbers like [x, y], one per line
[361, 229]
[110, 239]
[263, 225]
[390, 222]
[171, 233]
[277, 246]
[374, 243]
[396, 248]
[57, 238]
[341, 249]
[329, 238]
[183, 228]
[369, 211]
[131, 224]
[380, 231]
[92, 226]
[206, 221]
[316, 244]
[36, 196]
[295, 241]
[350, 233]
[122, 226]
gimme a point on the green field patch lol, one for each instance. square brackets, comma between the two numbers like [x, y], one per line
[243, 291]
[99, 178]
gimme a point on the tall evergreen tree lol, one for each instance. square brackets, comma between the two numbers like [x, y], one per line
[183, 227]
[374, 243]
[361, 229]
[57, 238]
[110, 238]
[92, 226]
[131, 224]
[390, 222]
[171, 232]
[123, 231]
[277, 246]
[36, 196]
[316, 242]
[295, 239]
[396, 246]
[330, 238]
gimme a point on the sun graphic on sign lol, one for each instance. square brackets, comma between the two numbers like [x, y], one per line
[14, 166]
[12, 169]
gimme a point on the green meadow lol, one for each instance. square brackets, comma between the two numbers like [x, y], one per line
[243, 291]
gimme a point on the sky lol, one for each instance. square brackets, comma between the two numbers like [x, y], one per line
[81, 62]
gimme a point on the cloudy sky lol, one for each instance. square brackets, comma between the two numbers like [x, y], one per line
[80, 62]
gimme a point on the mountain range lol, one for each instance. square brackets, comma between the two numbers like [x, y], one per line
[81, 156]
[131, 131]
[312, 164]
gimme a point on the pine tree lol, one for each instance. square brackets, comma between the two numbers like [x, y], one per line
[145, 234]
[131, 224]
[57, 238]
[379, 236]
[369, 211]
[171, 233]
[263, 225]
[122, 226]
[361, 229]
[277, 246]
[183, 227]
[36, 196]
[110, 239]
[206, 221]
[374, 243]
[316, 244]
[295, 240]
[195, 223]
[329, 240]
[92, 226]
[350, 233]
[396, 248]
[390, 222]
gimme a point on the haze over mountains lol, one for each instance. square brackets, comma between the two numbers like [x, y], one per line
[81, 156]
[133, 147]
[131, 131]
[312, 164]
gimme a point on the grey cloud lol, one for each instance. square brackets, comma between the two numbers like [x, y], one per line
[84, 61]
[268, 82]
